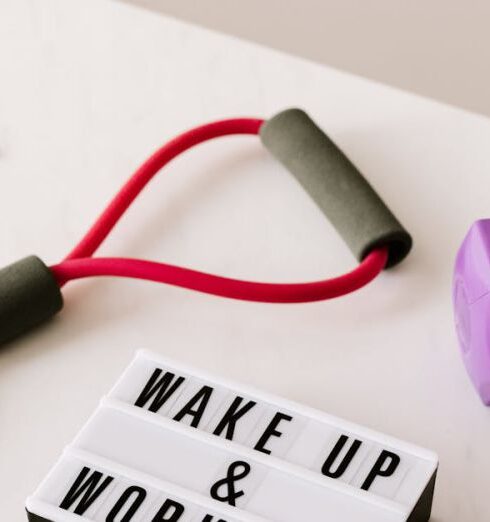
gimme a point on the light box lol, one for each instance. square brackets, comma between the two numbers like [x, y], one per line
[232, 452]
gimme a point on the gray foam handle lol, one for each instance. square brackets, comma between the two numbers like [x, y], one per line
[339, 189]
[29, 295]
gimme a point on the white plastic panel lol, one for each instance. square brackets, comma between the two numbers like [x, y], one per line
[198, 461]
[108, 491]
[304, 437]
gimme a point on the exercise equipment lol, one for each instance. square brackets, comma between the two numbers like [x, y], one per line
[30, 291]
[471, 299]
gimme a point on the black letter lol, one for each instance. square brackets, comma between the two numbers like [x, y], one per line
[345, 461]
[378, 470]
[231, 416]
[202, 397]
[140, 496]
[209, 518]
[160, 388]
[271, 431]
[90, 490]
[178, 509]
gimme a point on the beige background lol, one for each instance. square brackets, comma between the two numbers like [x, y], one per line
[88, 89]
[437, 48]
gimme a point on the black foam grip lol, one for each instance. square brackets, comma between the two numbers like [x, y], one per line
[29, 295]
[339, 189]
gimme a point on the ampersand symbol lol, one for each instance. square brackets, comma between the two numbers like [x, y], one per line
[232, 476]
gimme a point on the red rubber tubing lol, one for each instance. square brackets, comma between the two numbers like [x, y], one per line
[79, 263]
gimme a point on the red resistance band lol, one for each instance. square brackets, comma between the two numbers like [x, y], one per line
[80, 263]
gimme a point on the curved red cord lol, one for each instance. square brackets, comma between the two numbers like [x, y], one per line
[223, 286]
[80, 263]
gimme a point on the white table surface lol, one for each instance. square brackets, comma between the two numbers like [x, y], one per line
[87, 90]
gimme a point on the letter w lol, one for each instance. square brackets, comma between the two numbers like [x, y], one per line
[88, 488]
[162, 389]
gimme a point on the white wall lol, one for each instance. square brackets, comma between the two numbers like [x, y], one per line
[438, 48]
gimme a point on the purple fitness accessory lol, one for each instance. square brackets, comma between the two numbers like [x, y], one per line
[471, 298]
